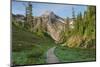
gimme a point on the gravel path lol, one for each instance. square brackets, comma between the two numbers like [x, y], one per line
[51, 58]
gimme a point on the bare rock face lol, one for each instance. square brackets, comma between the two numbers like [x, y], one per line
[52, 24]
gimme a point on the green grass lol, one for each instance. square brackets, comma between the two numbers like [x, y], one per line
[29, 48]
[75, 54]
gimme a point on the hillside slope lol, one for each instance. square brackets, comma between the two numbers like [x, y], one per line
[29, 48]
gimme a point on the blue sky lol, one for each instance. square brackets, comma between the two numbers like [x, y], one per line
[39, 8]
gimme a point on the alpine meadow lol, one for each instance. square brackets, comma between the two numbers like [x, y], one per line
[46, 33]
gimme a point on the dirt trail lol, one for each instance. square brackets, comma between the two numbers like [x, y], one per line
[51, 58]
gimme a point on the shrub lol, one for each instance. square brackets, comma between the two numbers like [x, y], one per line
[74, 41]
[36, 53]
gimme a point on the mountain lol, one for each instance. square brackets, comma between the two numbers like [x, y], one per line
[18, 18]
[50, 23]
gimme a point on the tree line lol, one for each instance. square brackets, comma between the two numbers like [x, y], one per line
[84, 32]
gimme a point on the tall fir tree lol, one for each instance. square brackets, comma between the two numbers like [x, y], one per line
[29, 18]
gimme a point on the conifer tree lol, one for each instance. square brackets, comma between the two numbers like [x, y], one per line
[29, 18]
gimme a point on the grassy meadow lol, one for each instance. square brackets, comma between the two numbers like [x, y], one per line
[75, 54]
[29, 48]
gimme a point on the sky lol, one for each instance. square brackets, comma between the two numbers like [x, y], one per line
[61, 10]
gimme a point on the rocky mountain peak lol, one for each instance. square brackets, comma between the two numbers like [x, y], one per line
[47, 13]
[51, 23]
[52, 16]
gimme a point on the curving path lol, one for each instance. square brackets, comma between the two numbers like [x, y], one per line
[51, 58]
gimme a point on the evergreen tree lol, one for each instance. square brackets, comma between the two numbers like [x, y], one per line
[73, 13]
[29, 18]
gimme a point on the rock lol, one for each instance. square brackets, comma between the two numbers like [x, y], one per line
[50, 23]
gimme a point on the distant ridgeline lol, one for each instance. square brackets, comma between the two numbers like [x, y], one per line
[78, 31]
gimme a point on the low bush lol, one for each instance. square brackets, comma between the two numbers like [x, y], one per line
[74, 41]
[36, 53]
